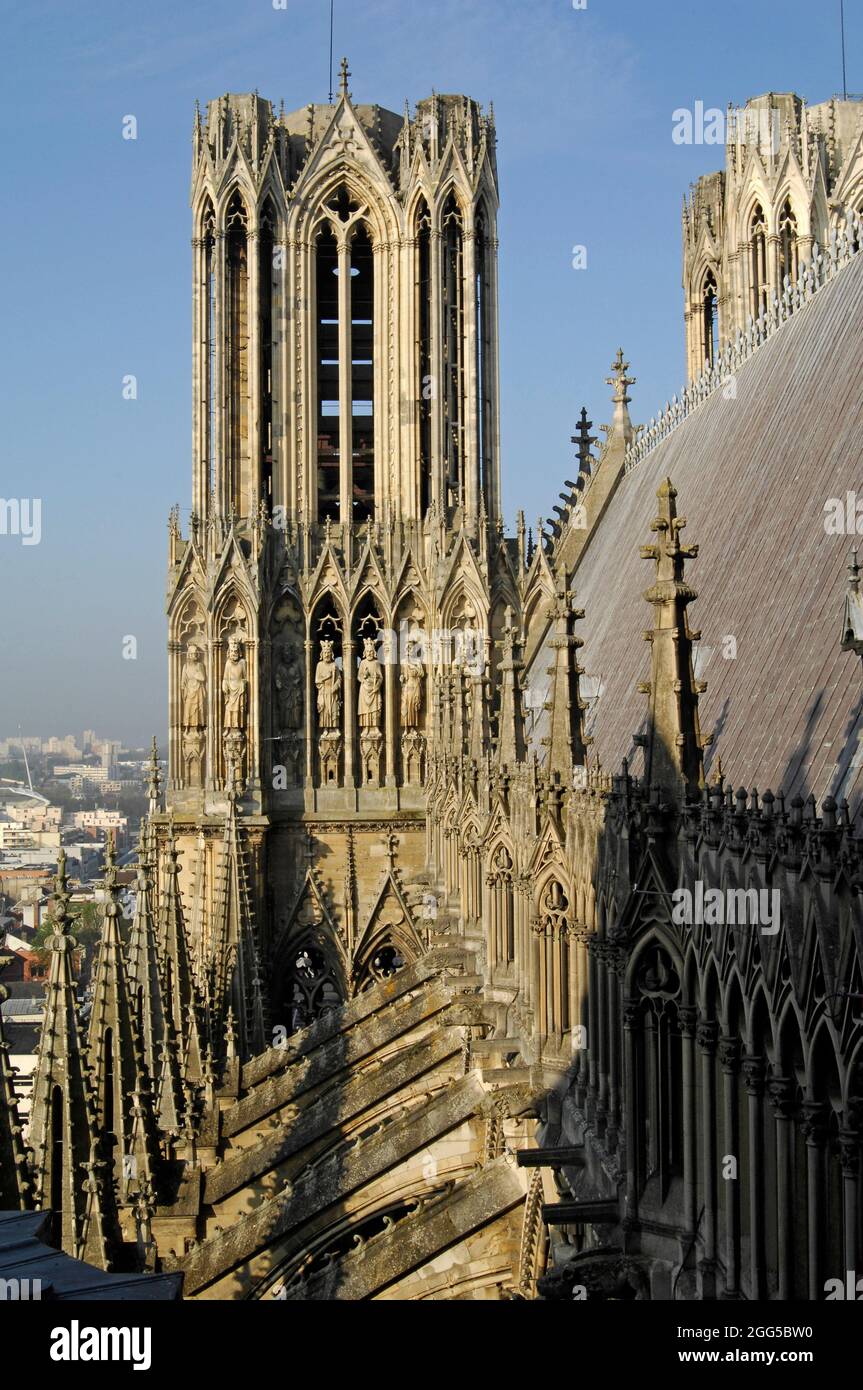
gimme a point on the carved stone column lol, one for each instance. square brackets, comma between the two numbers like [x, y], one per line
[349, 684]
[687, 1017]
[310, 722]
[754, 1069]
[707, 1033]
[782, 1100]
[631, 1028]
[815, 1115]
[729, 1060]
[849, 1141]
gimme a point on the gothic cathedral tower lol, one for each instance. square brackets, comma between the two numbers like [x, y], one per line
[336, 597]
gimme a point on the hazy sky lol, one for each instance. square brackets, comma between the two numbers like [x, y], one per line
[96, 259]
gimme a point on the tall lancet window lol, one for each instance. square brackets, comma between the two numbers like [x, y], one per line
[452, 340]
[209, 350]
[709, 320]
[328, 448]
[266, 270]
[483, 340]
[758, 249]
[237, 354]
[425, 383]
[788, 265]
[362, 376]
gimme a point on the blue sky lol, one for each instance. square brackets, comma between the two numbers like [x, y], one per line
[96, 259]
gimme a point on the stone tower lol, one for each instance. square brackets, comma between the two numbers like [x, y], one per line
[793, 175]
[335, 576]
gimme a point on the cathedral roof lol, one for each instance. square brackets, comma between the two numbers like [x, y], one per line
[755, 466]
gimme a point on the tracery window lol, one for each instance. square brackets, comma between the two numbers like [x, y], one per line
[312, 989]
[710, 320]
[345, 280]
[788, 259]
[237, 340]
[758, 252]
[452, 232]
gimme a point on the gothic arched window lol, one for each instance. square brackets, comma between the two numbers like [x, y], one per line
[328, 345]
[237, 355]
[554, 966]
[311, 988]
[788, 260]
[484, 348]
[452, 232]
[425, 383]
[268, 283]
[758, 251]
[710, 320]
[362, 283]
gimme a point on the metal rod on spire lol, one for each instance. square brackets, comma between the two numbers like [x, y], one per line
[332, 8]
[842, 28]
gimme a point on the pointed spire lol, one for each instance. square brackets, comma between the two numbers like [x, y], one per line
[584, 441]
[146, 986]
[566, 739]
[169, 1091]
[15, 1182]
[173, 944]
[154, 781]
[122, 1087]
[236, 963]
[674, 751]
[852, 618]
[63, 1128]
[622, 426]
[511, 747]
[344, 74]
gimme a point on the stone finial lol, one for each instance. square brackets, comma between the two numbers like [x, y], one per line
[344, 74]
[852, 619]
[674, 749]
[566, 740]
[511, 746]
[622, 426]
[154, 780]
[584, 441]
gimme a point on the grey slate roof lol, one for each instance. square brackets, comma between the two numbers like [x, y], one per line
[753, 475]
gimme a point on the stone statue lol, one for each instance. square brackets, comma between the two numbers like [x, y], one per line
[371, 679]
[328, 679]
[289, 688]
[412, 692]
[235, 686]
[193, 689]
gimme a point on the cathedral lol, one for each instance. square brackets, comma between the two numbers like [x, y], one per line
[478, 951]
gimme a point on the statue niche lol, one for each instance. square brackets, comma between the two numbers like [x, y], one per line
[370, 679]
[412, 681]
[288, 682]
[235, 689]
[328, 681]
[193, 714]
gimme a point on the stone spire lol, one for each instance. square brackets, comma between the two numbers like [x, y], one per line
[584, 441]
[674, 750]
[621, 427]
[154, 781]
[173, 943]
[122, 1087]
[15, 1185]
[852, 618]
[72, 1178]
[511, 747]
[237, 980]
[146, 986]
[566, 739]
